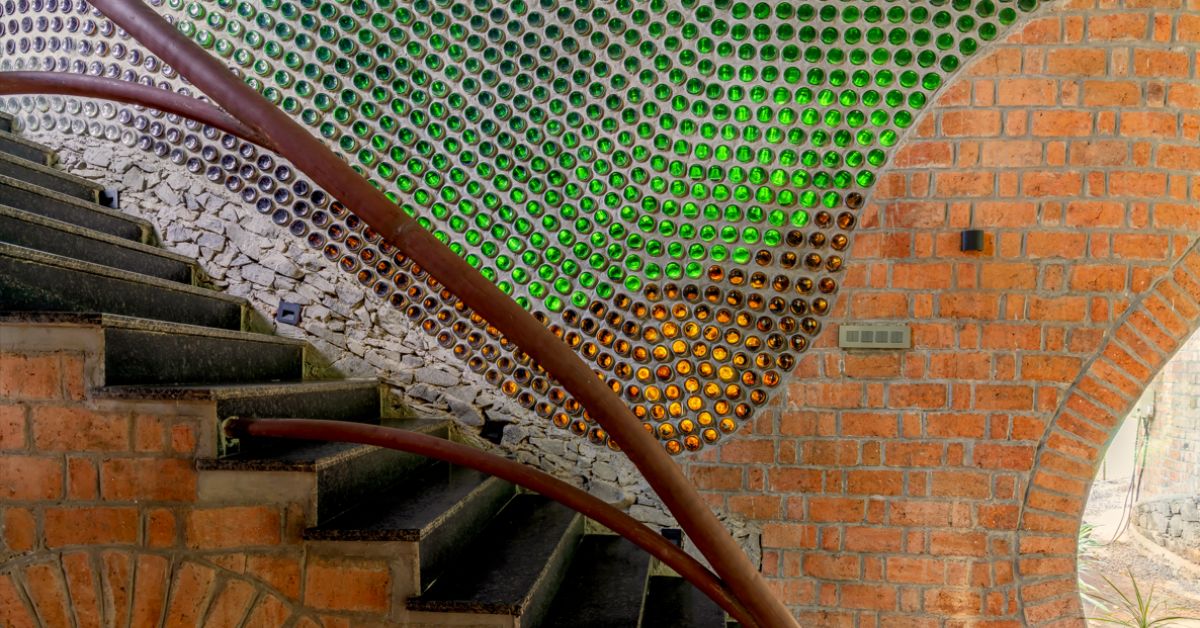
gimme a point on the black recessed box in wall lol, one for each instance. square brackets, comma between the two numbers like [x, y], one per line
[972, 240]
[288, 313]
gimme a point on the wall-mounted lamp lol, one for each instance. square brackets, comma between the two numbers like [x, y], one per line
[972, 240]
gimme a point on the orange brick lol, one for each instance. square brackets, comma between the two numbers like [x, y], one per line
[964, 184]
[104, 526]
[1003, 397]
[281, 572]
[26, 478]
[12, 608]
[152, 479]
[749, 451]
[953, 602]
[1002, 276]
[12, 427]
[1174, 157]
[976, 305]
[189, 595]
[115, 578]
[30, 376]
[1141, 246]
[49, 594]
[924, 154]
[1062, 123]
[1077, 62]
[831, 509]
[1049, 368]
[83, 584]
[230, 605]
[915, 570]
[1011, 153]
[20, 529]
[210, 528]
[971, 123]
[1011, 457]
[869, 596]
[1026, 92]
[1117, 26]
[874, 483]
[880, 540]
[82, 479]
[1160, 63]
[1148, 124]
[269, 611]
[917, 395]
[1111, 94]
[710, 478]
[1143, 184]
[78, 429]
[842, 567]
[347, 585]
[1104, 278]
[150, 594]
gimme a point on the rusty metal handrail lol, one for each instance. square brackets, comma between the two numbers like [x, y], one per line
[165, 101]
[312, 157]
[538, 481]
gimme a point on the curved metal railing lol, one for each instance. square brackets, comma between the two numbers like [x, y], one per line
[259, 118]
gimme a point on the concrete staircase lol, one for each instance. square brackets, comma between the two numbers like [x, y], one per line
[461, 548]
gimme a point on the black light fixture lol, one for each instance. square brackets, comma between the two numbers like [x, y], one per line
[288, 313]
[972, 240]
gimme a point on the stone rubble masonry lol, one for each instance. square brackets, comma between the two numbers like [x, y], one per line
[1172, 522]
[1173, 445]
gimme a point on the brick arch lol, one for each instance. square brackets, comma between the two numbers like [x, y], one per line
[1139, 345]
[119, 587]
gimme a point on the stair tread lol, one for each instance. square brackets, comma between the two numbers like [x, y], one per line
[107, 238]
[88, 210]
[313, 455]
[118, 321]
[221, 392]
[408, 513]
[27, 148]
[52, 178]
[675, 603]
[499, 572]
[604, 587]
[41, 257]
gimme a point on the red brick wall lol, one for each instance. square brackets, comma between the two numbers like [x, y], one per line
[942, 486]
[103, 522]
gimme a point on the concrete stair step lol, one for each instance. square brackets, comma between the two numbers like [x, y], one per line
[344, 474]
[44, 202]
[144, 351]
[510, 572]
[8, 124]
[336, 400]
[674, 603]
[44, 176]
[18, 146]
[605, 586]
[442, 510]
[35, 281]
[29, 230]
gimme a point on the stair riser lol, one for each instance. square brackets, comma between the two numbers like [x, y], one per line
[20, 149]
[76, 213]
[32, 286]
[44, 238]
[49, 180]
[439, 547]
[142, 357]
[364, 477]
[6, 123]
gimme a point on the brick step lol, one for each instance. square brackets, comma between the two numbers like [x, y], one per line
[605, 586]
[338, 476]
[440, 510]
[43, 202]
[29, 230]
[142, 351]
[35, 281]
[18, 146]
[49, 178]
[508, 575]
[674, 603]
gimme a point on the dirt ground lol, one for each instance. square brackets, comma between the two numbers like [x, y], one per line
[1177, 588]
